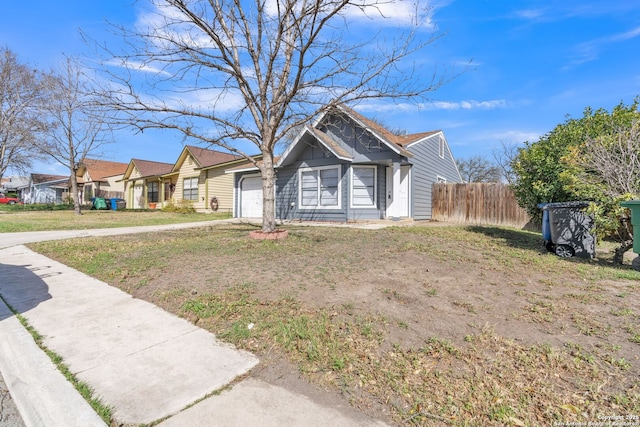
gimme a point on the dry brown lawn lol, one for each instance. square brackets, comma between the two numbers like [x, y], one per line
[416, 325]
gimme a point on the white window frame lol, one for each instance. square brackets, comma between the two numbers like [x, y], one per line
[318, 206]
[375, 187]
[441, 179]
[441, 147]
[197, 187]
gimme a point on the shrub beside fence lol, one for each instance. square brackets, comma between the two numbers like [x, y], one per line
[478, 203]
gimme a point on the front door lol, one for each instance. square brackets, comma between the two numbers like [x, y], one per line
[138, 200]
[398, 198]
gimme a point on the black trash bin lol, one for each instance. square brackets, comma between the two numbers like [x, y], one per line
[570, 230]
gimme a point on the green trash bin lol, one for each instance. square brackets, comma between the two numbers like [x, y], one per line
[634, 207]
[100, 204]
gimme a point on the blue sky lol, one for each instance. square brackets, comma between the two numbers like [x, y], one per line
[533, 63]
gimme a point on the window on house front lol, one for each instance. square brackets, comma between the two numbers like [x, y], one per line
[88, 193]
[190, 189]
[363, 186]
[320, 188]
[152, 192]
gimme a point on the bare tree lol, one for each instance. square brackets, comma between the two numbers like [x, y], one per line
[244, 74]
[78, 122]
[503, 158]
[21, 95]
[614, 161]
[478, 169]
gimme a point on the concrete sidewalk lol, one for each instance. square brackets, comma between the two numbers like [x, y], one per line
[143, 362]
[22, 238]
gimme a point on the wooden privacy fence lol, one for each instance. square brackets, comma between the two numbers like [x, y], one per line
[477, 203]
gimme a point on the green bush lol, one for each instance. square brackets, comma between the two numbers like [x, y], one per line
[183, 207]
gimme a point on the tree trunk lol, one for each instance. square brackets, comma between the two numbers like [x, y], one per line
[619, 252]
[75, 190]
[268, 192]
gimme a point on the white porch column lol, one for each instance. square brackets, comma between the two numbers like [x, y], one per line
[394, 211]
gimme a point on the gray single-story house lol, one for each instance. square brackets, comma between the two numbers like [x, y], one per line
[346, 167]
[47, 189]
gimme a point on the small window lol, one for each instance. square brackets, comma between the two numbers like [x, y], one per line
[441, 147]
[152, 192]
[88, 193]
[363, 186]
[442, 180]
[320, 188]
[190, 189]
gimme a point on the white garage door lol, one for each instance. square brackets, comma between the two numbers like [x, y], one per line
[251, 197]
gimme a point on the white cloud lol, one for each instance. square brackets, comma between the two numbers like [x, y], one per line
[590, 51]
[467, 105]
[434, 105]
[383, 12]
[136, 66]
[207, 100]
[530, 14]
[516, 136]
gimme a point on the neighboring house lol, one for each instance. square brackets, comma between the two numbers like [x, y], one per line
[49, 189]
[198, 176]
[14, 184]
[101, 178]
[144, 185]
[347, 167]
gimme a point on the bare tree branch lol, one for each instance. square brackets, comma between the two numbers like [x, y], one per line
[614, 161]
[21, 95]
[79, 126]
[478, 169]
[236, 73]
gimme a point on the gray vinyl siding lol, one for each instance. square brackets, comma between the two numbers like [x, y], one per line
[287, 194]
[427, 166]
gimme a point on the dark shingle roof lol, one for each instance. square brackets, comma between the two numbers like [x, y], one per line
[399, 140]
[151, 168]
[39, 178]
[207, 158]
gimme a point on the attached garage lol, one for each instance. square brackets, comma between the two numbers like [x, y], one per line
[251, 197]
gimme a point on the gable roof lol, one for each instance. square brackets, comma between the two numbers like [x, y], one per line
[40, 178]
[396, 143]
[399, 142]
[330, 143]
[204, 157]
[99, 170]
[148, 168]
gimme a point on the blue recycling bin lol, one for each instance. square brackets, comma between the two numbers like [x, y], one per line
[118, 204]
[546, 227]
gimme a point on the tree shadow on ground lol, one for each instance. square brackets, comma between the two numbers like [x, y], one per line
[512, 237]
[22, 288]
[528, 240]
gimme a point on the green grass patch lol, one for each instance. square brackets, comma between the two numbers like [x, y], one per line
[354, 311]
[12, 221]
